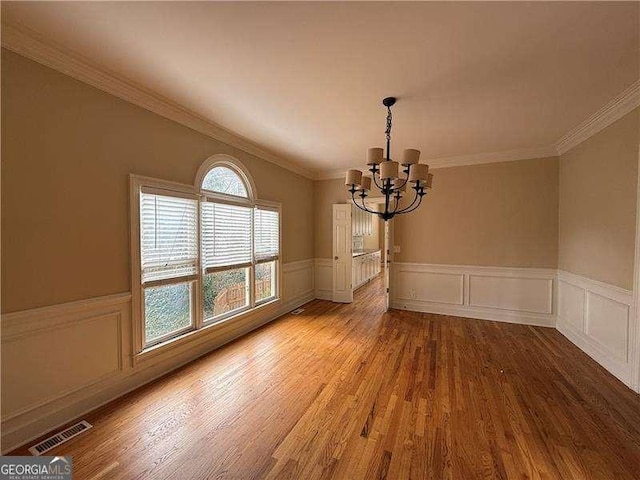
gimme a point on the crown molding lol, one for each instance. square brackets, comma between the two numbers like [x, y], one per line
[605, 116]
[612, 111]
[492, 157]
[463, 160]
[34, 46]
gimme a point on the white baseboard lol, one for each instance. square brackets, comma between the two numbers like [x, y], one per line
[597, 317]
[506, 294]
[324, 295]
[97, 335]
[465, 311]
[620, 370]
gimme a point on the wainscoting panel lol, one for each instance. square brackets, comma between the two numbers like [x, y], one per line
[54, 357]
[571, 303]
[425, 286]
[614, 333]
[597, 318]
[298, 282]
[62, 361]
[54, 362]
[52, 353]
[323, 272]
[518, 295]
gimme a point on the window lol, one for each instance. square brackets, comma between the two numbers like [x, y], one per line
[266, 249]
[226, 245]
[169, 263]
[265, 281]
[225, 292]
[205, 254]
[224, 180]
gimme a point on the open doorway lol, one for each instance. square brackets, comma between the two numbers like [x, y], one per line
[362, 246]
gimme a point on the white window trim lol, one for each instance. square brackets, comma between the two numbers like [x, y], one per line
[199, 328]
[222, 160]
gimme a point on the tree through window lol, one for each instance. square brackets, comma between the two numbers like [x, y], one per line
[224, 180]
[205, 255]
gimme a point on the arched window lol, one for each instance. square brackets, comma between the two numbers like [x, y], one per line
[224, 176]
[208, 252]
[240, 241]
[224, 180]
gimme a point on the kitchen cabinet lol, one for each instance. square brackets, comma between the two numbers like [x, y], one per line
[361, 223]
[365, 266]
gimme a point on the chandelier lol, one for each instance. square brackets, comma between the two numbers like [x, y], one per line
[385, 176]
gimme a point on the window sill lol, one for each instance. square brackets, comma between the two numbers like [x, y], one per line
[200, 335]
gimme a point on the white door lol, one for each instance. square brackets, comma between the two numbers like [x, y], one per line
[342, 285]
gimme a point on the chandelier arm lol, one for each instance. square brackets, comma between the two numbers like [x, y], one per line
[364, 206]
[402, 184]
[355, 202]
[377, 185]
[406, 180]
[396, 204]
[408, 208]
[414, 207]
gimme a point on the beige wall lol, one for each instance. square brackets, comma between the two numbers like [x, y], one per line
[499, 214]
[67, 151]
[598, 204]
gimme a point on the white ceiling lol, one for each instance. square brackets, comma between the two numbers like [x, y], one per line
[306, 80]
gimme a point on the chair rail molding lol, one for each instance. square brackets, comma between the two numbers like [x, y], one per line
[97, 364]
[515, 295]
[599, 318]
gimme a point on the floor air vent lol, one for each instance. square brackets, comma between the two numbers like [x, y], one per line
[297, 311]
[59, 438]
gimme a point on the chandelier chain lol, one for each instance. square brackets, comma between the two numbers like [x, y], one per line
[388, 130]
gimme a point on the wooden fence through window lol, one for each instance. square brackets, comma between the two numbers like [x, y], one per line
[235, 296]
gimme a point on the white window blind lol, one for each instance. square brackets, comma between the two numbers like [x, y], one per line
[266, 233]
[169, 232]
[226, 234]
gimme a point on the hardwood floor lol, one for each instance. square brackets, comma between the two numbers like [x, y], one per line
[351, 392]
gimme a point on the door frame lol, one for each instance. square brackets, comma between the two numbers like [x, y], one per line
[634, 331]
[388, 255]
